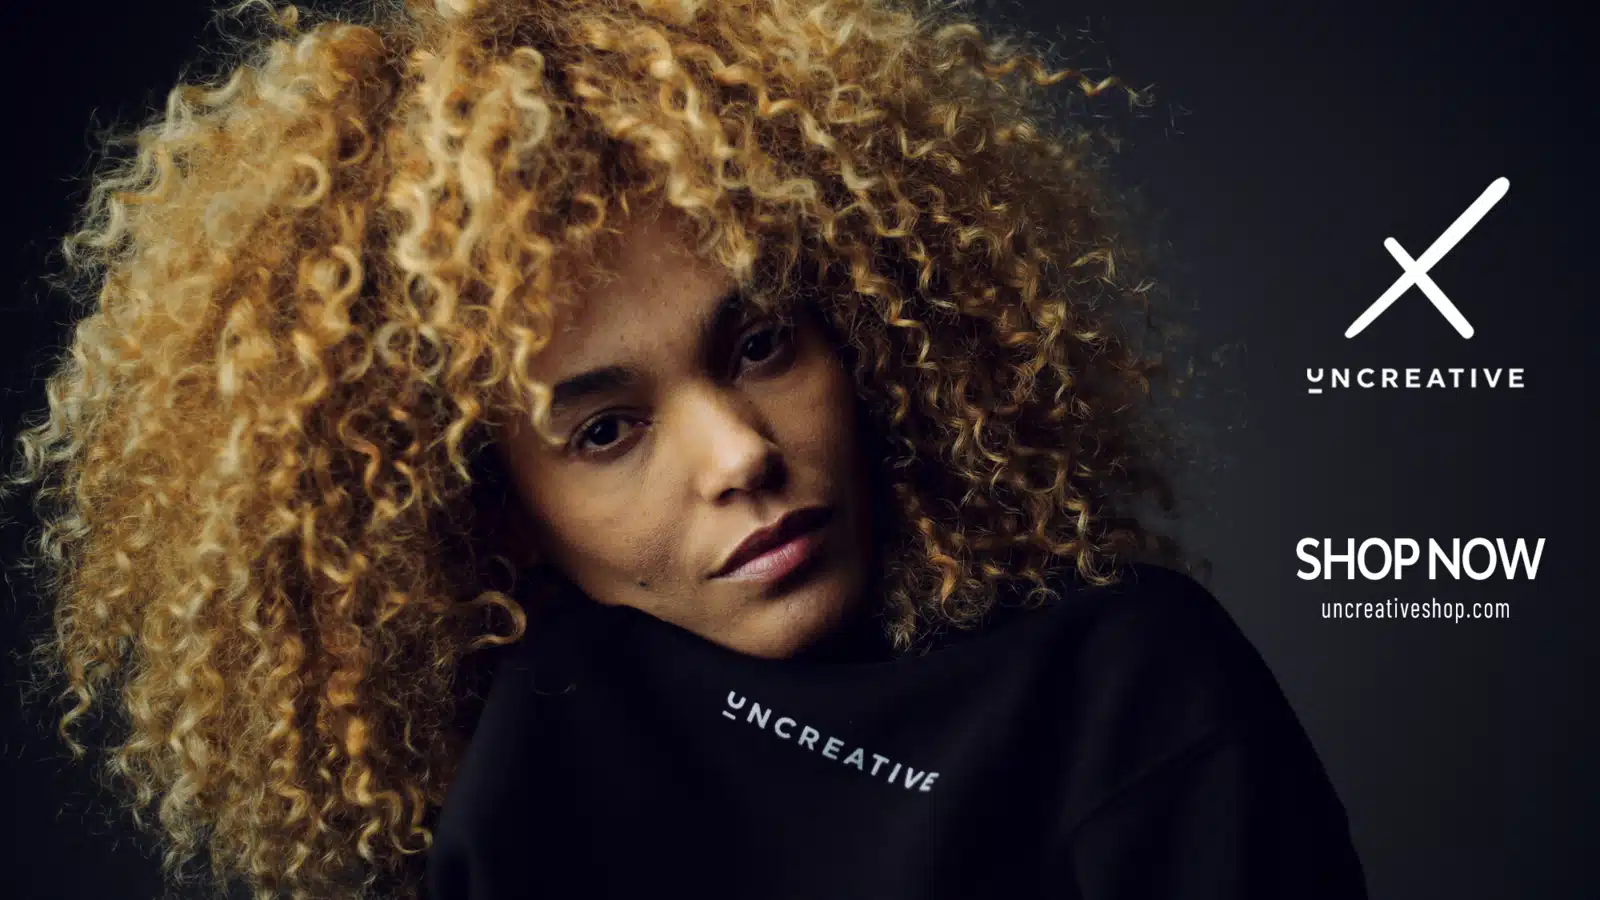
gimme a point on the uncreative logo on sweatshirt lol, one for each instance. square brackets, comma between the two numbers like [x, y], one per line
[785, 728]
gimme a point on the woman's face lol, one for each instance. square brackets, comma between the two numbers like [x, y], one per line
[690, 422]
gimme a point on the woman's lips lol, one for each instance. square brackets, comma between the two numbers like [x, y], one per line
[779, 561]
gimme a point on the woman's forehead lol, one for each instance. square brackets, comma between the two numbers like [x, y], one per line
[652, 294]
[646, 294]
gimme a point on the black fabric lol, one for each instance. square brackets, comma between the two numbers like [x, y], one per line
[1125, 742]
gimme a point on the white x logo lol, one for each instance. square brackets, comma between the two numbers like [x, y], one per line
[1416, 270]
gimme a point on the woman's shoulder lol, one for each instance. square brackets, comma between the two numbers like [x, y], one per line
[1143, 605]
[1150, 607]
[1157, 606]
[1159, 643]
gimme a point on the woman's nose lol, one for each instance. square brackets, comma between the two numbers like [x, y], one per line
[730, 446]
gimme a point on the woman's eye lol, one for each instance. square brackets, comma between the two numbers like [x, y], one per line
[602, 434]
[765, 344]
[610, 431]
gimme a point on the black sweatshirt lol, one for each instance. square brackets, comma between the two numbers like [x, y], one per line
[1123, 742]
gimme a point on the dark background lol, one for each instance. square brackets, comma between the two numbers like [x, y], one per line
[1284, 145]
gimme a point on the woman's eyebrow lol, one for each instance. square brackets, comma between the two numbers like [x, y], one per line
[571, 392]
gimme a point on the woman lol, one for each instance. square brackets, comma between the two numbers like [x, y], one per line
[740, 394]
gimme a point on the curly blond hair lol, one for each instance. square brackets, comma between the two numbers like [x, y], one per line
[309, 294]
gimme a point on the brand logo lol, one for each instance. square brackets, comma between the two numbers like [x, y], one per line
[1415, 271]
[882, 768]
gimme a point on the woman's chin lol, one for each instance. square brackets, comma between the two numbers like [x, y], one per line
[798, 620]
